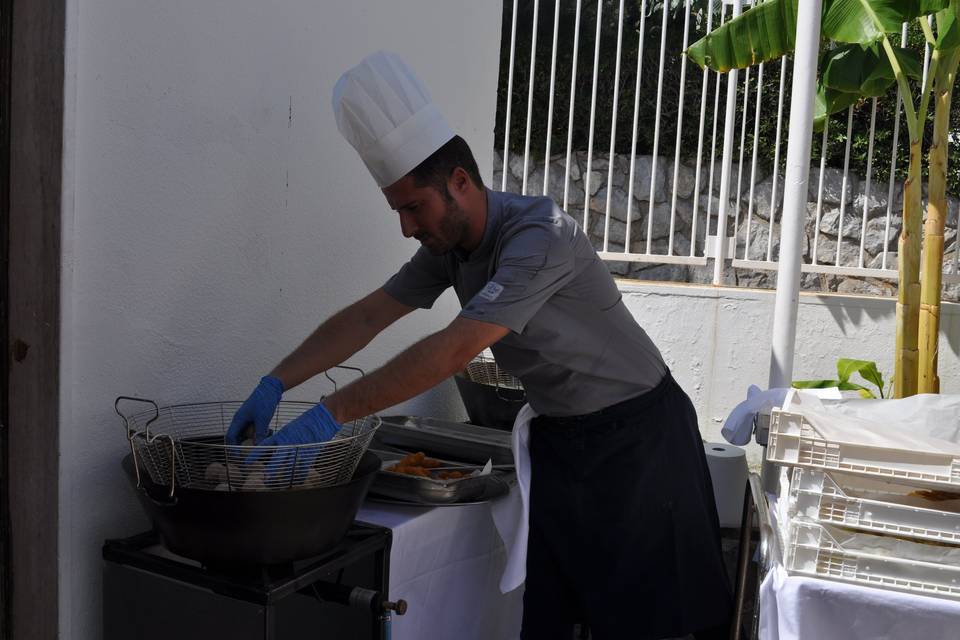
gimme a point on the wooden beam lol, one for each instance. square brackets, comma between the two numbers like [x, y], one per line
[36, 156]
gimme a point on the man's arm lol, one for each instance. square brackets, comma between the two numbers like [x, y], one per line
[339, 337]
[422, 366]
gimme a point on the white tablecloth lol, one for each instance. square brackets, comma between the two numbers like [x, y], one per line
[802, 608]
[446, 563]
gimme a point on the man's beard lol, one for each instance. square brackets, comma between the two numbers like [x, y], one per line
[453, 227]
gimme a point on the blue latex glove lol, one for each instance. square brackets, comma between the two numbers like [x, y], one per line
[314, 425]
[739, 425]
[258, 410]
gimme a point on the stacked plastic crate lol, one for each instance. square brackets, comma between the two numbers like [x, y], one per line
[867, 514]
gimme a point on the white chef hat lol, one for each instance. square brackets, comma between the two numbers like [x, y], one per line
[385, 113]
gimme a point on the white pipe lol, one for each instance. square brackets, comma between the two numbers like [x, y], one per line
[720, 254]
[795, 193]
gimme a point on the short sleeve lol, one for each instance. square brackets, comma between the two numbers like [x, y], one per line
[534, 264]
[419, 282]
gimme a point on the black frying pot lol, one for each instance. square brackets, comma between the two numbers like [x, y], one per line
[253, 527]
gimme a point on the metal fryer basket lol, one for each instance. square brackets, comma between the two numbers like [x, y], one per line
[483, 369]
[183, 445]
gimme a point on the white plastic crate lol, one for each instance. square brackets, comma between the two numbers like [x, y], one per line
[872, 505]
[794, 441]
[817, 550]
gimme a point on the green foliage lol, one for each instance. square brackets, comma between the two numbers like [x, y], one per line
[845, 369]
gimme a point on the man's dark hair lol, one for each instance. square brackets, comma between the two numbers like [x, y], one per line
[438, 167]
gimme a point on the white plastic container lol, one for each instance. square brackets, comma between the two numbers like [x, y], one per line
[794, 441]
[872, 505]
[826, 552]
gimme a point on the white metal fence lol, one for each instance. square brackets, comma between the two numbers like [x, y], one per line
[856, 238]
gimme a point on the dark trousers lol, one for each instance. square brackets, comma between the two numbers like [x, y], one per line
[624, 534]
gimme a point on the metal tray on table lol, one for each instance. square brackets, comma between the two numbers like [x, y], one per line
[454, 444]
[417, 489]
[441, 439]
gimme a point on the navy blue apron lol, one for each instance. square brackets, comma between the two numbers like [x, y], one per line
[624, 534]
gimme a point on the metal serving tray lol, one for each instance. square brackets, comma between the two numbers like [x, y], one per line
[412, 488]
[445, 440]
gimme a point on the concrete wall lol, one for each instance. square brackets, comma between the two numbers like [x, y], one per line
[717, 340]
[214, 216]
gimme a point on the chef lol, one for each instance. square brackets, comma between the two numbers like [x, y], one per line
[623, 531]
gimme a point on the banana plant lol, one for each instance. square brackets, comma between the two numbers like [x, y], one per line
[858, 62]
[943, 71]
[846, 367]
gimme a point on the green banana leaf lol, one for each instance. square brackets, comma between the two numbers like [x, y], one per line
[764, 32]
[948, 34]
[866, 70]
[846, 367]
[855, 21]
[767, 30]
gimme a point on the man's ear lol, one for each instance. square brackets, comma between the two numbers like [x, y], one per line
[459, 181]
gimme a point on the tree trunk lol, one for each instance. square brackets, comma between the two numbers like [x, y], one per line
[931, 287]
[908, 294]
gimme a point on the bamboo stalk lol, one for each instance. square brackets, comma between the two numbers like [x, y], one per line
[908, 293]
[928, 380]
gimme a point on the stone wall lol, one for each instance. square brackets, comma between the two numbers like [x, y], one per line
[752, 239]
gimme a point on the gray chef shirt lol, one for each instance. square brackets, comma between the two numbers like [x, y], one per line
[572, 342]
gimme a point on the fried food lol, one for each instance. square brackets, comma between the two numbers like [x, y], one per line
[935, 495]
[418, 464]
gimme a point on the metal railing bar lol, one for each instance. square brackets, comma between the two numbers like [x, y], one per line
[753, 163]
[656, 127]
[713, 144]
[823, 166]
[573, 91]
[506, 126]
[703, 114]
[843, 183]
[866, 185]
[676, 154]
[613, 133]
[636, 114]
[553, 77]
[743, 144]
[533, 61]
[893, 162]
[653, 258]
[593, 112]
[776, 158]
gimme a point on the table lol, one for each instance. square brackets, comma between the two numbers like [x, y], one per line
[805, 608]
[446, 563]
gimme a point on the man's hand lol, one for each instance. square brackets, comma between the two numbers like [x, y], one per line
[313, 425]
[257, 410]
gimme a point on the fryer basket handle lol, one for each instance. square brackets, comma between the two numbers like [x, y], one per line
[126, 418]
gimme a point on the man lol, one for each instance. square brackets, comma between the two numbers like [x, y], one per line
[623, 526]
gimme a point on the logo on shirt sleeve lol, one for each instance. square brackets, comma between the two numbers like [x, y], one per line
[491, 292]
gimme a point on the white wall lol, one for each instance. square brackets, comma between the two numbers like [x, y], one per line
[717, 340]
[213, 214]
